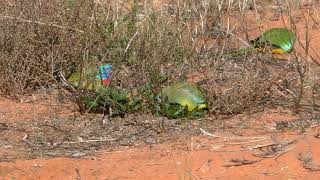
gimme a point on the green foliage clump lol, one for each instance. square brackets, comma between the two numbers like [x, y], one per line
[175, 110]
[121, 101]
[140, 99]
[104, 98]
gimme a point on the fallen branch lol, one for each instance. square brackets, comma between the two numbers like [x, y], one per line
[260, 146]
[89, 141]
[41, 23]
[209, 134]
[234, 137]
[308, 162]
[241, 162]
[274, 149]
[245, 142]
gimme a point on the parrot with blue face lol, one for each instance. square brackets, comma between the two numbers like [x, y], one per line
[91, 77]
[280, 40]
[187, 95]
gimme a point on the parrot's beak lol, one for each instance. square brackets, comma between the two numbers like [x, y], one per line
[202, 106]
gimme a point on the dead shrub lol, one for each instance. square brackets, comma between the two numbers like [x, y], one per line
[40, 40]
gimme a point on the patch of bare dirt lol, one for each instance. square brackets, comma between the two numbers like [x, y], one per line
[34, 107]
[238, 148]
[275, 143]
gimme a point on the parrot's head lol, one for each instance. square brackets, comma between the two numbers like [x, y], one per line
[159, 97]
[104, 74]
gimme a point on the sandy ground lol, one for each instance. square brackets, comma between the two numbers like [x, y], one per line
[250, 147]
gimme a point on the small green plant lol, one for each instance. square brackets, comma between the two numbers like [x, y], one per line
[175, 110]
[104, 98]
[140, 99]
[121, 101]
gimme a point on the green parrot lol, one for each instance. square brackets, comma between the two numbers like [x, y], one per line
[281, 40]
[187, 95]
[87, 79]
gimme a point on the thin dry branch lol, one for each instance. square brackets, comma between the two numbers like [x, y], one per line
[241, 162]
[89, 141]
[235, 137]
[41, 23]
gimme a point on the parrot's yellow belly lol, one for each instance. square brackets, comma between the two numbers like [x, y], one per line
[191, 106]
[278, 51]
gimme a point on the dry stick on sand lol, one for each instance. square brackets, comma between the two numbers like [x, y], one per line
[243, 140]
[308, 162]
[241, 162]
[89, 141]
[284, 143]
[236, 137]
[274, 149]
[276, 154]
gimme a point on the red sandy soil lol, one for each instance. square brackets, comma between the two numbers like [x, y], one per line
[32, 108]
[202, 157]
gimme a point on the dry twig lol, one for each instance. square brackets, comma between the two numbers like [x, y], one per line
[41, 23]
[241, 162]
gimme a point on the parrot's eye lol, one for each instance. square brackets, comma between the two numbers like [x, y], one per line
[158, 98]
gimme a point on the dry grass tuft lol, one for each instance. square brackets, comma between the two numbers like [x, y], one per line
[41, 39]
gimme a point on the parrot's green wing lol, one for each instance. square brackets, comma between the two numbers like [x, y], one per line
[281, 39]
[185, 94]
